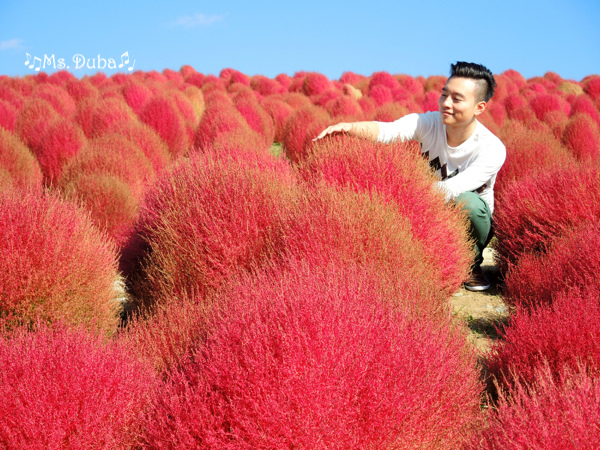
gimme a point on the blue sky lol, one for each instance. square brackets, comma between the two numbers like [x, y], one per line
[268, 38]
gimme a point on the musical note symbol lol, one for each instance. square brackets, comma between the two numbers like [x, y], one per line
[35, 63]
[28, 59]
[124, 59]
[131, 68]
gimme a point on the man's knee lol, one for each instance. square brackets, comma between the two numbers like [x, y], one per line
[473, 205]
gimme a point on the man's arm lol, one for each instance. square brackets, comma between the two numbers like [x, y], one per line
[365, 130]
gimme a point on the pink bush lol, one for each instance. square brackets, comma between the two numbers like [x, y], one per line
[60, 143]
[8, 115]
[266, 86]
[564, 333]
[55, 265]
[583, 105]
[230, 76]
[528, 152]
[279, 111]
[582, 137]
[33, 121]
[316, 358]
[220, 120]
[161, 114]
[591, 86]
[383, 79]
[302, 127]
[59, 98]
[351, 78]
[545, 103]
[381, 94]
[568, 263]
[315, 83]
[345, 106]
[410, 84]
[112, 205]
[66, 388]
[80, 90]
[390, 112]
[18, 166]
[398, 174]
[542, 206]
[98, 117]
[112, 154]
[256, 117]
[136, 95]
[430, 103]
[211, 217]
[168, 333]
[150, 143]
[546, 415]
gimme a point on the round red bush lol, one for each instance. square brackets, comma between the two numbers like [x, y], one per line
[568, 263]
[55, 265]
[582, 137]
[546, 415]
[66, 388]
[317, 358]
[397, 173]
[544, 205]
[563, 333]
[18, 166]
[161, 114]
[211, 217]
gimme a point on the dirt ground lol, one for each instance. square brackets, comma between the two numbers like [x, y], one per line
[482, 311]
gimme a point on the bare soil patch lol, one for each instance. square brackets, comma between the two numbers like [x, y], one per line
[483, 311]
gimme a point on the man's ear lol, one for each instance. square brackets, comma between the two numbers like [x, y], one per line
[480, 107]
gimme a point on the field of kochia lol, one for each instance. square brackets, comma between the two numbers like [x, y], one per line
[182, 266]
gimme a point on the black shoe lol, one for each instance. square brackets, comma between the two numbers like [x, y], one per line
[477, 281]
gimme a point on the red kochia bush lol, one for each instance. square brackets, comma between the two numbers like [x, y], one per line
[546, 415]
[55, 265]
[8, 115]
[539, 207]
[58, 97]
[302, 126]
[582, 137]
[279, 111]
[316, 358]
[33, 121]
[398, 174]
[583, 105]
[60, 143]
[565, 333]
[212, 216]
[315, 83]
[569, 262]
[528, 152]
[18, 166]
[543, 104]
[161, 114]
[98, 117]
[256, 117]
[112, 154]
[65, 388]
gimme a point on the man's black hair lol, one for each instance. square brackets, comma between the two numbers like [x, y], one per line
[485, 80]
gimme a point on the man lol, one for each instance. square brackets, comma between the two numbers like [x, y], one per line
[464, 153]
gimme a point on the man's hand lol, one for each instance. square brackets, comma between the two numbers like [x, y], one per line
[339, 128]
[365, 130]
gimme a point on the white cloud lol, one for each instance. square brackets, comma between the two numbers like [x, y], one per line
[202, 20]
[15, 44]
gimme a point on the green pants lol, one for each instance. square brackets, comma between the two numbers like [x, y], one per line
[480, 222]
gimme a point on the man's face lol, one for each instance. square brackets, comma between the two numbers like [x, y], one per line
[458, 103]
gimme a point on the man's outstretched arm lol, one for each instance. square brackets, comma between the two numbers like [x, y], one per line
[365, 130]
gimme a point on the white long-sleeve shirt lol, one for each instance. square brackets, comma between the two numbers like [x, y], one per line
[470, 167]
